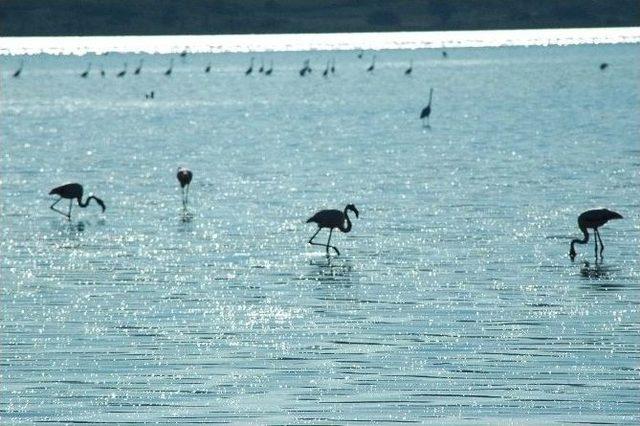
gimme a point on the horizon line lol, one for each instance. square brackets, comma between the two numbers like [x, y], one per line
[244, 43]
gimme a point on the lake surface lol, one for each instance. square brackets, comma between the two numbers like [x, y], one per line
[453, 301]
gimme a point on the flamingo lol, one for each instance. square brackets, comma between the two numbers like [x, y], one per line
[426, 111]
[409, 70]
[360, 54]
[444, 53]
[102, 73]
[592, 219]
[325, 73]
[184, 177]
[208, 68]
[332, 219]
[261, 69]
[604, 66]
[71, 191]
[270, 70]
[85, 74]
[250, 69]
[305, 69]
[183, 54]
[17, 73]
[333, 65]
[123, 72]
[373, 64]
[170, 69]
[137, 71]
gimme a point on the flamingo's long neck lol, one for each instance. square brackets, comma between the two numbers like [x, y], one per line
[347, 228]
[585, 240]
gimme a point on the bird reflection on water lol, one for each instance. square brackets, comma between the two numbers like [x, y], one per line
[598, 270]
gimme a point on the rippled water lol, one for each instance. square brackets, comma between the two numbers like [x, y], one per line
[453, 301]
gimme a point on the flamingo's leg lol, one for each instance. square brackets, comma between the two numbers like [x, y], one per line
[314, 235]
[70, 205]
[601, 245]
[183, 203]
[56, 210]
[187, 195]
[595, 240]
[329, 245]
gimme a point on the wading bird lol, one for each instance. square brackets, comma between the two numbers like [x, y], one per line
[17, 72]
[426, 111]
[71, 191]
[208, 68]
[184, 177]
[250, 69]
[603, 66]
[123, 72]
[332, 219]
[444, 53]
[170, 69]
[325, 73]
[85, 74]
[137, 71]
[373, 64]
[270, 70]
[409, 70]
[102, 73]
[261, 69]
[592, 219]
[333, 65]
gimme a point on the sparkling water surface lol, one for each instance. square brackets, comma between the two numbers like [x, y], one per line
[454, 300]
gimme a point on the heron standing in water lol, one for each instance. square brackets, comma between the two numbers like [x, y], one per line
[184, 177]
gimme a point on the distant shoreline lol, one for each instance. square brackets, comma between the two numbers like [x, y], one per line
[304, 42]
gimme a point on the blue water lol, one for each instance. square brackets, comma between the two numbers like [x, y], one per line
[454, 300]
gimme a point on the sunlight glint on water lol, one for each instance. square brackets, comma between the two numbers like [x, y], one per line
[454, 298]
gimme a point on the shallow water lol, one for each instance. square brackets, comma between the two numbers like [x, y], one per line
[454, 299]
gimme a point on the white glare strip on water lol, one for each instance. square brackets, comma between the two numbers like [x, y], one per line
[301, 42]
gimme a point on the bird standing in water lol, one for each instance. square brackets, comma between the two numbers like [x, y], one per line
[426, 111]
[592, 219]
[184, 177]
[71, 191]
[332, 219]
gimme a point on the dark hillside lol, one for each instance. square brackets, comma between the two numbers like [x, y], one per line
[148, 17]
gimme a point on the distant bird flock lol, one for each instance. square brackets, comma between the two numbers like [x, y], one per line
[331, 219]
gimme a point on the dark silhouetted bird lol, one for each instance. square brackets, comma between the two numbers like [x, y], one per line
[17, 72]
[409, 70]
[208, 68]
[170, 69]
[250, 69]
[71, 191]
[332, 219]
[444, 54]
[373, 64]
[85, 73]
[123, 72]
[102, 73]
[139, 68]
[333, 65]
[592, 219]
[261, 69]
[184, 177]
[426, 111]
[604, 66]
[325, 73]
[270, 70]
